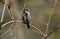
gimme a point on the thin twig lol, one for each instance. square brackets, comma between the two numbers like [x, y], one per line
[3, 12]
[9, 13]
[7, 23]
[52, 32]
[25, 3]
[35, 31]
[52, 10]
[7, 30]
[38, 30]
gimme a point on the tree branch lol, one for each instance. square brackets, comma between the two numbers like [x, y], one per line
[52, 32]
[7, 30]
[7, 23]
[52, 10]
[38, 30]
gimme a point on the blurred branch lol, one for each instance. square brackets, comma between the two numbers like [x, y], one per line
[35, 31]
[1, 23]
[10, 13]
[38, 30]
[52, 10]
[7, 30]
[25, 3]
[3, 10]
[52, 32]
[7, 23]
[3, 13]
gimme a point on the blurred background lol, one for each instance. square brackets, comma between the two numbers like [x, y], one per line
[40, 12]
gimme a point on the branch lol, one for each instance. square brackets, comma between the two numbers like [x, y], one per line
[38, 30]
[35, 31]
[5, 4]
[7, 30]
[7, 23]
[52, 10]
[52, 32]
[25, 3]
[3, 12]
[10, 13]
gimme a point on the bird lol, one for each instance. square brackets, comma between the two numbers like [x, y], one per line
[25, 17]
